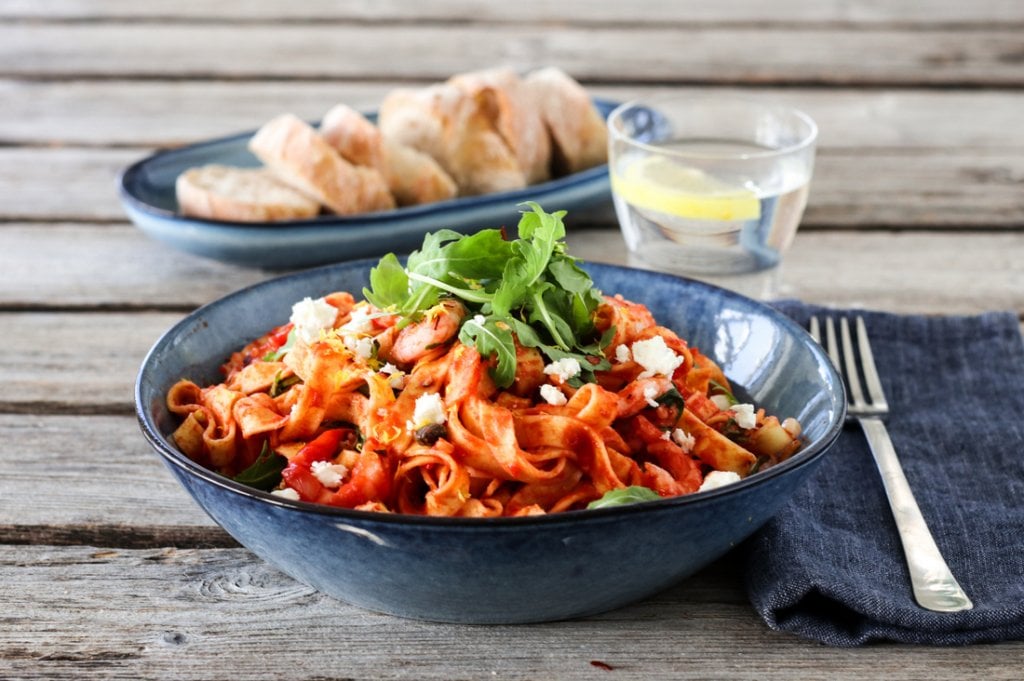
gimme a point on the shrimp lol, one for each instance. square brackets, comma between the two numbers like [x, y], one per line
[438, 326]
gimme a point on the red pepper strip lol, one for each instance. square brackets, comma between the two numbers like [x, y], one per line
[324, 447]
[369, 482]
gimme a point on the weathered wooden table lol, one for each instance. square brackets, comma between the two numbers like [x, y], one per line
[107, 568]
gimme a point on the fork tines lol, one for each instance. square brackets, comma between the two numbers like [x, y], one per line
[848, 365]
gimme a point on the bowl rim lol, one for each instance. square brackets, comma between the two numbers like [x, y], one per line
[175, 457]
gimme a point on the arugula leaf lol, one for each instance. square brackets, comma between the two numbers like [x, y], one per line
[528, 286]
[488, 338]
[624, 495]
[265, 472]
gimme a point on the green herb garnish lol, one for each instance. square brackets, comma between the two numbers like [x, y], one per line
[528, 287]
[276, 355]
[265, 472]
[624, 495]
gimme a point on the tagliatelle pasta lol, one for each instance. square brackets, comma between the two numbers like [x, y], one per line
[485, 377]
[370, 414]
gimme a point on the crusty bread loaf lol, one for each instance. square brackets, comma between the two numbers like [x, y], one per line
[459, 130]
[518, 119]
[217, 192]
[301, 158]
[412, 176]
[578, 132]
[354, 136]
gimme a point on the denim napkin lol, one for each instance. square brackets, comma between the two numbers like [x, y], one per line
[830, 566]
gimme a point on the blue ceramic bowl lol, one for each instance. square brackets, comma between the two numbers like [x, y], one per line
[146, 189]
[506, 570]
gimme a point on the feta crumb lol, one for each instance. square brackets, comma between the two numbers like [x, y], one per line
[666, 436]
[479, 319]
[329, 474]
[310, 317]
[744, 415]
[552, 395]
[362, 347]
[722, 402]
[622, 354]
[651, 392]
[565, 368]
[716, 479]
[655, 357]
[429, 410]
[396, 377]
[286, 493]
[685, 441]
[360, 322]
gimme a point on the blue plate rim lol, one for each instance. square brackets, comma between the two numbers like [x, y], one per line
[179, 459]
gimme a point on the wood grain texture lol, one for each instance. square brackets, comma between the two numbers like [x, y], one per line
[184, 614]
[938, 272]
[122, 113]
[908, 188]
[679, 54]
[849, 12]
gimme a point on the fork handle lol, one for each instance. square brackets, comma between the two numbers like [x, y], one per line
[935, 588]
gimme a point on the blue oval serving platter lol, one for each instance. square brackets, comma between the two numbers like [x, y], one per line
[147, 194]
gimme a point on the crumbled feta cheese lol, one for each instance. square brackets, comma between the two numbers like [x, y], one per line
[722, 402]
[310, 317]
[716, 479]
[286, 493]
[329, 474]
[565, 368]
[429, 410]
[396, 377]
[552, 395]
[361, 346]
[666, 436]
[651, 392]
[685, 441]
[360, 322]
[479, 320]
[655, 357]
[744, 415]
[622, 354]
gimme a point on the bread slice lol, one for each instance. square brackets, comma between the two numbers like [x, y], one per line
[354, 136]
[415, 177]
[518, 119]
[578, 132]
[459, 130]
[217, 192]
[301, 158]
[412, 176]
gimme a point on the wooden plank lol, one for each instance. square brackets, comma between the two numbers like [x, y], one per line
[853, 12]
[89, 363]
[220, 614]
[683, 54]
[92, 480]
[121, 113]
[931, 272]
[107, 266]
[914, 187]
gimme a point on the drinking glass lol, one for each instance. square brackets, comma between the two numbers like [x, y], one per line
[709, 185]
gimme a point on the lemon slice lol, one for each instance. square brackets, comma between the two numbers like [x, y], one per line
[659, 184]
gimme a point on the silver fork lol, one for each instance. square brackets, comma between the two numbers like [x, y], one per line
[935, 588]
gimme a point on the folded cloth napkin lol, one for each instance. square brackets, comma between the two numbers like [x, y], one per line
[830, 565]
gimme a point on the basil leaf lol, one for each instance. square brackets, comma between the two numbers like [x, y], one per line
[265, 472]
[624, 495]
